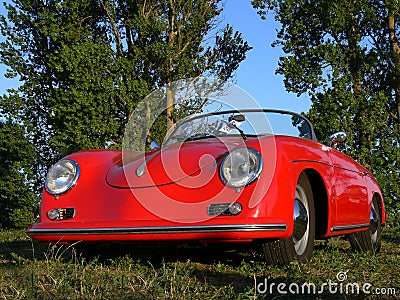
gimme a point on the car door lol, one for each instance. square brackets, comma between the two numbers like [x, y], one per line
[350, 190]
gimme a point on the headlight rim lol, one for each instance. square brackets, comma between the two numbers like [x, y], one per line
[251, 179]
[71, 184]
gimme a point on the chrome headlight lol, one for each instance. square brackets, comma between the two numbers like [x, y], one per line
[241, 167]
[62, 176]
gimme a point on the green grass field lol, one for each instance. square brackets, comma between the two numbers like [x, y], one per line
[29, 270]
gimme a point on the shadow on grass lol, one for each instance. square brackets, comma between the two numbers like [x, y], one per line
[23, 249]
[233, 255]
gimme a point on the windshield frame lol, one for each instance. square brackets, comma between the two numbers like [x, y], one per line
[241, 111]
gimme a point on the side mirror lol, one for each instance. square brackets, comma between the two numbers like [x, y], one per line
[337, 138]
[237, 118]
[154, 145]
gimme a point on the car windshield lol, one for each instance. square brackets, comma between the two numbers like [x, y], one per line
[245, 123]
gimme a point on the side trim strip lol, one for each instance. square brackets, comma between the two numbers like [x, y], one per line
[330, 165]
[160, 229]
[314, 161]
[349, 227]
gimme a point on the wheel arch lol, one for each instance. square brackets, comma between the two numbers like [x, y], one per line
[320, 196]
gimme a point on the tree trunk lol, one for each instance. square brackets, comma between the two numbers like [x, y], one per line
[395, 52]
[170, 63]
[170, 107]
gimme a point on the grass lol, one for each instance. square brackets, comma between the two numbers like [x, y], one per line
[29, 270]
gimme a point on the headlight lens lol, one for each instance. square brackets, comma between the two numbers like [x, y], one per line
[62, 176]
[241, 167]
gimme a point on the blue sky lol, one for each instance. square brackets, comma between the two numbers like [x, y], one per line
[256, 75]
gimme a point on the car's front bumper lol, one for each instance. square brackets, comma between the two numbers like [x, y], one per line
[208, 232]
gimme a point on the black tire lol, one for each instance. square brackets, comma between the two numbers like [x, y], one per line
[300, 246]
[369, 240]
[279, 252]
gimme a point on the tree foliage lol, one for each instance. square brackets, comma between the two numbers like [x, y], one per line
[18, 203]
[345, 56]
[84, 65]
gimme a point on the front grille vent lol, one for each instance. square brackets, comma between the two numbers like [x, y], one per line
[67, 213]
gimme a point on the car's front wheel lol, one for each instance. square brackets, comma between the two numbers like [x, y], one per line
[301, 244]
[369, 240]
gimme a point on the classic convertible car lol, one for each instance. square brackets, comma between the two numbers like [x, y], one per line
[234, 176]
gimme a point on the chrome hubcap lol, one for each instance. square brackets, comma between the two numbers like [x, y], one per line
[374, 223]
[301, 221]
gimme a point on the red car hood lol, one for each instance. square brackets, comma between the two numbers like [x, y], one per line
[169, 164]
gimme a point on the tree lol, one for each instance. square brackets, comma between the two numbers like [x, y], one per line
[171, 41]
[84, 65]
[18, 204]
[345, 56]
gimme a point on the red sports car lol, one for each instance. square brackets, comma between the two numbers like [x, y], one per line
[234, 176]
